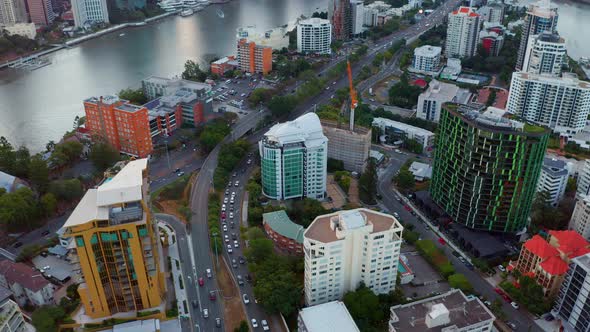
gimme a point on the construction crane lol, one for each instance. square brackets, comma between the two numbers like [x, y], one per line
[353, 99]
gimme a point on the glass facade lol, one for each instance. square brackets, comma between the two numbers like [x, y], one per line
[485, 176]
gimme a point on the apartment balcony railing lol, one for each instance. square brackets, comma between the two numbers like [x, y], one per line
[120, 215]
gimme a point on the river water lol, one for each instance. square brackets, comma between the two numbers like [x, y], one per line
[39, 106]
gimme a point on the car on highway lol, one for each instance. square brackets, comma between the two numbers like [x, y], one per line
[225, 200]
[205, 313]
[443, 242]
[234, 264]
[236, 244]
[514, 305]
[254, 323]
[246, 298]
[264, 325]
[226, 238]
[234, 236]
[212, 296]
[227, 191]
[242, 260]
[18, 244]
[195, 304]
[223, 215]
[240, 280]
[231, 215]
[223, 207]
[249, 278]
[209, 274]
[45, 232]
[229, 249]
[224, 227]
[201, 281]
[237, 183]
[217, 322]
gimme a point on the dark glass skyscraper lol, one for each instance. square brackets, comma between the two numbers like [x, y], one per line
[486, 168]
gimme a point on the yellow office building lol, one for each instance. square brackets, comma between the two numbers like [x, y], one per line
[116, 245]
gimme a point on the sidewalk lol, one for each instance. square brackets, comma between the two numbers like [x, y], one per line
[177, 278]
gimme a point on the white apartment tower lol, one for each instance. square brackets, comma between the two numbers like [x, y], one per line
[584, 180]
[545, 55]
[560, 103]
[573, 303]
[314, 35]
[88, 12]
[553, 179]
[345, 248]
[492, 13]
[462, 33]
[12, 12]
[427, 58]
[294, 159]
[357, 10]
[580, 221]
[540, 17]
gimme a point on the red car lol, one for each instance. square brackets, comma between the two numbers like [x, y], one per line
[223, 215]
[212, 296]
[408, 208]
[499, 291]
[201, 281]
[442, 241]
[506, 298]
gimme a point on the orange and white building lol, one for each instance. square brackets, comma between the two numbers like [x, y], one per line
[254, 58]
[548, 260]
[125, 126]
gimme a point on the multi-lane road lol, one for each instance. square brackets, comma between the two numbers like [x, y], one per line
[390, 199]
[199, 198]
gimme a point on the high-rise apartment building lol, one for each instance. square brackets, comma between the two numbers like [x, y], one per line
[89, 12]
[540, 17]
[339, 13]
[347, 248]
[545, 55]
[357, 12]
[426, 58]
[125, 126]
[486, 168]
[580, 221]
[553, 179]
[492, 12]
[117, 248]
[560, 103]
[276, 38]
[491, 38]
[462, 33]
[12, 12]
[254, 58]
[314, 35]
[11, 317]
[572, 308]
[350, 147]
[294, 159]
[584, 180]
[41, 11]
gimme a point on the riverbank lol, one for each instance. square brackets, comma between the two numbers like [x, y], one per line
[84, 38]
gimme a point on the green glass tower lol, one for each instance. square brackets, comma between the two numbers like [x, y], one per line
[486, 168]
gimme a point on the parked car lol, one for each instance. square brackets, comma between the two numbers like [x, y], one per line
[501, 268]
[264, 325]
[246, 298]
[254, 323]
[514, 305]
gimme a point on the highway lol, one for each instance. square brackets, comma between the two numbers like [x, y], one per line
[519, 317]
[199, 234]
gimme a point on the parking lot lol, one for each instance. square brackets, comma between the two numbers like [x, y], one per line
[426, 281]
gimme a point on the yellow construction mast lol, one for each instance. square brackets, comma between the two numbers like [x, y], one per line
[353, 98]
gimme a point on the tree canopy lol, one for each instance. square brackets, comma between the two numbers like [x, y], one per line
[135, 96]
[104, 155]
[192, 71]
[368, 183]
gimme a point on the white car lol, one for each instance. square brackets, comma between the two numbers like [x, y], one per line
[245, 298]
[205, 313]
[225, 200]
[254, 322]
[229, 249]
[223, 208]
[226, 238]
[237, 184]
[514, 305]
[231, 215]
[236, 244]
[224, 227]
[264, 325]
[501, 268]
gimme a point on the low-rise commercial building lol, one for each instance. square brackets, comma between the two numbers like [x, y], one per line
[451, 311]
[27, 285]
[427, 59]
[224, 65]
[314, 35]
[347, 248]
[27, 30]
[350, 147]
[154, 87]
[398, 131]
[421, 171]
[253, 58]
[548, 260]
[553, 179]
[286, 235]
[331, 316]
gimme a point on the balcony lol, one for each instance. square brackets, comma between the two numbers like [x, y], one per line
[131, 212]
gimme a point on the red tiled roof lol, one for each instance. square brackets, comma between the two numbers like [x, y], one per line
[570, 243]
[538, 246]
[22, 274]
[464, 9]
[554, 266]
[473, 14]
[420, 82]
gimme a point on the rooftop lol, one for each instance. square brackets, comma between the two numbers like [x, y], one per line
[401, 126]
[465, 11]
[22, 274]
[569, 242]
[554, 266]
[306, 128]
[321, 228]
[548, 37]
[427, 50]
[328, 317]
[130, 108]
[314, 21]
[441, 91]
[555, 167]
[539, 247]
[279, 222]
[124, 187]
[108, 100]
[567, 80]
[439, 313]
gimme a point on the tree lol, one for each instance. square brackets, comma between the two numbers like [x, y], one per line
[281, 106]
[259, 250]
[136, 97]
[38, 173]
[66, 190]
[104, 155]
[459, 281]
[544, 215]
[244, 327]
[278, 291]
[7, 156]
[413, 145]
[403, 94]
[260, 95]
[213, 133]
[22, 158]
[404, 180]
[47, 318]
[364, 307]
[368, 183]
[18, 210]
[48, 204]
[335, 165]
[304, 211]
[69, 151]
[193, 72]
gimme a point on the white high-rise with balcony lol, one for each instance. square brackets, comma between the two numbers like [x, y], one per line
[88, 12]
[345, 248]
[427, 58]
[314, 35]
[553, 179]
[560, 103]
[462, 33]
[545, 55]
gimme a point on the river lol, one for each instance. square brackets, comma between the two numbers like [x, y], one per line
[39, 106]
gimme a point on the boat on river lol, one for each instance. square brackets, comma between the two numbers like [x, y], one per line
[186, 12]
